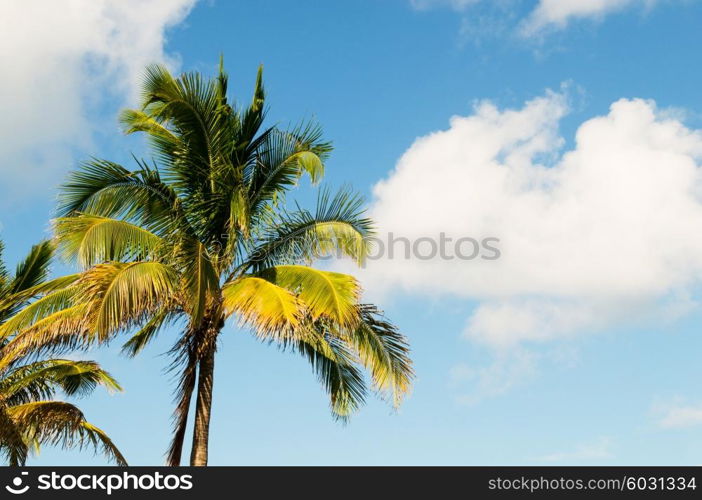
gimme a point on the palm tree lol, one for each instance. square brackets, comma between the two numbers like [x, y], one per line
[29, 417]
[205, 234]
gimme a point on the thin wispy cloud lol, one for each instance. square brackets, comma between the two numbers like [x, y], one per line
[510, 369]
[557, 14]
[598, 450]
[546, 15]
[679, 416]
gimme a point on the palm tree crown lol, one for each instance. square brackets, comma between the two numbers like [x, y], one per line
[29, 417]
[204, 233]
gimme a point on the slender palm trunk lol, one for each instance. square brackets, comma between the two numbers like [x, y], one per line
[203, 409]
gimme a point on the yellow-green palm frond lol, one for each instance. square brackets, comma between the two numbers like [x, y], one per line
[134, 120]
[309, 162]
[120, 295]
[92, 239]
[270, 309]
[324, 294]
[68, 328]
[57, 423]
[47, 305]
[41, 289]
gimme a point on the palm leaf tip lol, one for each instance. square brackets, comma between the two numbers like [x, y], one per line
[385, 352]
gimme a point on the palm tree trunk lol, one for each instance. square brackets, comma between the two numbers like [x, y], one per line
[203, 409]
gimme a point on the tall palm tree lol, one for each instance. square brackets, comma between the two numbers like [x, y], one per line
[204, 234]
[29, 417]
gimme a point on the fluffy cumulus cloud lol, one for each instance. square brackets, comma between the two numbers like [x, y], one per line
[604, 233]
[60, 61]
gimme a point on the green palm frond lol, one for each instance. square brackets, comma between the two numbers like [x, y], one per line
[283, 157]
[4, 274]
[34, 269]
[335, 366]
[11, 303]
[201, 280]
[337, 226]
[107, 189]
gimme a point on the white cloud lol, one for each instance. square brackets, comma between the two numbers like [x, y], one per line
[678, 416]
[454, 4]
[558, 13]
[547, 15]
[603, 234]
[61, 61]
[600, 449]
[508, 370]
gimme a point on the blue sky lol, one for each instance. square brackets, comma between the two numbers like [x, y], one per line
[561, 353]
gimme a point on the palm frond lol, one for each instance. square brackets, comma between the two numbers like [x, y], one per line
[92, 239]
[201, 280]
[138, 341]
[57, 423]
[337, 226]
[107, 189]
[66, 329]
[41, 379]
[334, 364]
[121, 295]
[324, 294]
[261, 304]
[384, 351]
[49, 304]
[34, 269]
[12, 444]
[4, 274]
[282, 158]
